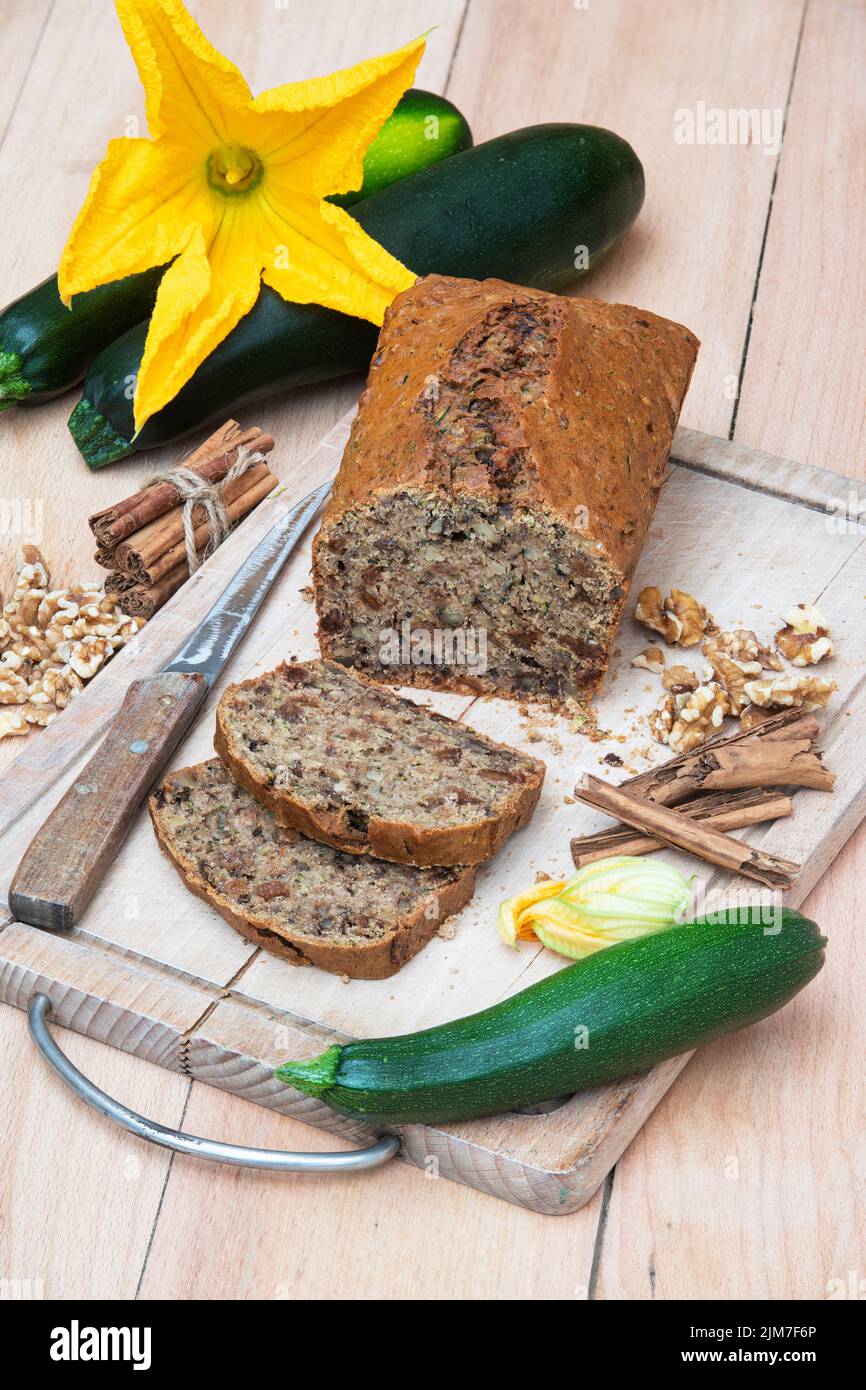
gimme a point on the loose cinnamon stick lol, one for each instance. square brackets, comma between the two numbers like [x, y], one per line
[143, 555]
[674, 828]
[212, 460]
[724, 810]
[143, 600]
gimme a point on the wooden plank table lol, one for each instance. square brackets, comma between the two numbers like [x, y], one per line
[747, 1180]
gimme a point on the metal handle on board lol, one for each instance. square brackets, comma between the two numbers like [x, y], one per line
[276, 1160]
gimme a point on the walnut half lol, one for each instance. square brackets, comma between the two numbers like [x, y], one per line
[700, 717]
[805, 638]
[681, 619]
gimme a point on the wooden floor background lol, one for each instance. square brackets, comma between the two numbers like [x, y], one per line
[747, 1182]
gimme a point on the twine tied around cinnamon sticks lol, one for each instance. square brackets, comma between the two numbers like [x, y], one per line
[152, 541]
[197, 492]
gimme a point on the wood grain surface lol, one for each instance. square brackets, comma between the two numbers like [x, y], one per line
[747, 1181]
[66, 860]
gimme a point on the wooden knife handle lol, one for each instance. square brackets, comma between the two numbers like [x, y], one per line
[67, 858]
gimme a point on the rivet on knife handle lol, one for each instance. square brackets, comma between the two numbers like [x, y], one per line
[69, 855]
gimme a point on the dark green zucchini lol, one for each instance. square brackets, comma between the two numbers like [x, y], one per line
[46, 348]
[520, 207]
[608, 1016]
[422, 129]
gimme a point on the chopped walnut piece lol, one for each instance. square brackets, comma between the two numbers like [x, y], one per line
[805, 618]
[650, 659]
[695, 621]
[12, 721]
[699, 717]
[741, 644]
[12, 660]
[732, 676]
[805, 638]
[681, 619]
[790, 692]
[21, 612]
[85, 655]
[650, 612]
[52, 641]
[39, 713]
[33, 573]
[752, 716]
[13, 689]
[680, 679]
[127, 629]
[661, 720]
[58, 685]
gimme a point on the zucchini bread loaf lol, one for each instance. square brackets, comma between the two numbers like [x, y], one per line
[348, 762]
[497, 487]
[305, 902]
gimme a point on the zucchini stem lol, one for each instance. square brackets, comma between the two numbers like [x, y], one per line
[312, 1075]
[14, 386]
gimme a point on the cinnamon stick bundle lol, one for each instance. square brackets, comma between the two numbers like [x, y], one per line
[675, 828]
[723, 810]
[143, 600]
[211, 461]
[150, 553]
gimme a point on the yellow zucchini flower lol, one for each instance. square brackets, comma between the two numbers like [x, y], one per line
[230, 188]
[610, 900]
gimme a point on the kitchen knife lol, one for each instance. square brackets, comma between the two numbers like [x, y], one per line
[67, 858]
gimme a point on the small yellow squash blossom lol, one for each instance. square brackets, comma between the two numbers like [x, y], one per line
[610, 900]
[231, 189]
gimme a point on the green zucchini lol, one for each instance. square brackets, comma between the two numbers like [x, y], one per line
[613, 1014]
[46, 348]
[520, 207]
[422, 129]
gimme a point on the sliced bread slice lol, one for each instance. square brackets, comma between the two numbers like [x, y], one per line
[295, 897]
[350, 763]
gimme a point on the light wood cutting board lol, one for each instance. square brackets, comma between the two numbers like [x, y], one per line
[155, 972]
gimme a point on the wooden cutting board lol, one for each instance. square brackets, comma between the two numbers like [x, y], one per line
[155, 972]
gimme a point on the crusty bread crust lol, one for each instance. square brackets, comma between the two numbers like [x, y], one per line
[367, 960]
[400, 842]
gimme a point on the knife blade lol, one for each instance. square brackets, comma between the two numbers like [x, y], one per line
[222, 628]
[67, 858]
